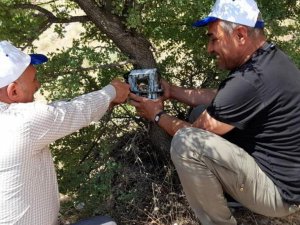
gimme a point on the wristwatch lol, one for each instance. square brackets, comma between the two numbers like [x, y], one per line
[158, 115]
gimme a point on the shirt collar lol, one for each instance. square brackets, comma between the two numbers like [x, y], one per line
[3, 106]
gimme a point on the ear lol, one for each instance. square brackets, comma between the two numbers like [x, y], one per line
[241, 34]
[13, 92]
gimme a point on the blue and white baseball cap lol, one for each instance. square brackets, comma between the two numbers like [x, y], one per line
[13, 62]
[244, 12]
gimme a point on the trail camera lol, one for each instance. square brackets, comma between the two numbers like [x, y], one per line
[145, 82]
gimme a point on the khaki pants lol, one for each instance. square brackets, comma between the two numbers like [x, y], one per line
[209, 165]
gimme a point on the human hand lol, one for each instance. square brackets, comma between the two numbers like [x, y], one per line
[166, 90]
[145, 107]
[122, 91]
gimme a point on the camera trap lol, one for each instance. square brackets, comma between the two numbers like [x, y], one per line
[145, 82]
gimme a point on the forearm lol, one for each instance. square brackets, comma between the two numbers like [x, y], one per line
[88, 107]
[171, 124]
[192, 97]
[58, 119]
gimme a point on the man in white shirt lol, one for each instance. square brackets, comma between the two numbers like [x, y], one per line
[29, 191]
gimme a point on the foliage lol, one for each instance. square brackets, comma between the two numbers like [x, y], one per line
[111, 165]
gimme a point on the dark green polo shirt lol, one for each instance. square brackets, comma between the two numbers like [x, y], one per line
[261, 99]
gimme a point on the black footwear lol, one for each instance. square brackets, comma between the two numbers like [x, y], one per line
[232, 203]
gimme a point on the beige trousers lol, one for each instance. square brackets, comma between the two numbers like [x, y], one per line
[209, 165]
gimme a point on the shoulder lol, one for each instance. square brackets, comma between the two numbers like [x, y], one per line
[239, 83]
[30, 110]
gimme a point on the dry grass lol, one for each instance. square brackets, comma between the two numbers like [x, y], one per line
[147, 191]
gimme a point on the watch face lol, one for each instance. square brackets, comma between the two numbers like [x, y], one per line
[156, 118]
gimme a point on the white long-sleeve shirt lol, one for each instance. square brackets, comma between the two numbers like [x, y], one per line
[28, 184]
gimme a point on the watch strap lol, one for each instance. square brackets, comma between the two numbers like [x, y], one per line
[158, 115]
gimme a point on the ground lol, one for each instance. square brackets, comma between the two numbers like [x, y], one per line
[147, 191]
[245, 217]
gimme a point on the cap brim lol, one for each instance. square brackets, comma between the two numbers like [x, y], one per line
[210, 19]
[37, 59]
[205, 21]
[259, 24]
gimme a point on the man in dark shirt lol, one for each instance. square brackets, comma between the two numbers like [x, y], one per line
[247, 142]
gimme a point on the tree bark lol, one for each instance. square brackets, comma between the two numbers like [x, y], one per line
[132, 44]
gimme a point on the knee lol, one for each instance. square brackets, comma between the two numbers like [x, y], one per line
[191, 142]
[184, 143]
[179, 139]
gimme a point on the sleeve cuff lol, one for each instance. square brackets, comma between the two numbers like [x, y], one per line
[110, 91]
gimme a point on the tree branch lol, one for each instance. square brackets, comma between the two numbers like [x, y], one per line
[50, 16]
[129, 41]
[44, 26]
[55, 74]
[110, 65]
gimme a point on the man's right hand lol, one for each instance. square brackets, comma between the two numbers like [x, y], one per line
[122, 91]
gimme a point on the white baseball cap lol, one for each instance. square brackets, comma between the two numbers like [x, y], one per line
[244, 12]
[13, 62]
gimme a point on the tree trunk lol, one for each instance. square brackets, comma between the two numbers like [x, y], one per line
[131, 43]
